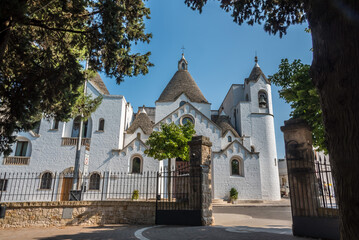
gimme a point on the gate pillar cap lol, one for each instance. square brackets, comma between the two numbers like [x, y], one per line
[294, 123]
[200, 140]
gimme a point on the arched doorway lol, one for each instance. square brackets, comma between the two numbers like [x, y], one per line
[66, 181]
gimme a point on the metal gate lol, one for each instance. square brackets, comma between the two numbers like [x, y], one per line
[178, 199]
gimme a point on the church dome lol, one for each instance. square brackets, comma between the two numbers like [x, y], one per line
[182, 82]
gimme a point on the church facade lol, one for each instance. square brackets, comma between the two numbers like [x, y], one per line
[241, 131]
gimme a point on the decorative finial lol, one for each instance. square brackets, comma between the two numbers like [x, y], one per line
[143, 109]
[256, 58]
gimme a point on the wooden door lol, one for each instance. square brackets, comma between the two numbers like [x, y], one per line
[66, 187]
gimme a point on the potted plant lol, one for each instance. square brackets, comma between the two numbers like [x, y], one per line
[233, 195]
[135, 195]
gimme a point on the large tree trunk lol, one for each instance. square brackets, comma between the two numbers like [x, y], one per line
[335, 72]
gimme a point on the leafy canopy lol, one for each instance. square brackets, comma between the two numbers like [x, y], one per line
[41, 45]
[277, 15]
[299, 91]
[170, 142]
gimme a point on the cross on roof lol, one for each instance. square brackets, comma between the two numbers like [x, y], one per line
[182, 49]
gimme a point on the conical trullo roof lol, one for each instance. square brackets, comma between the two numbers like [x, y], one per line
[182, 82]
[99, 84]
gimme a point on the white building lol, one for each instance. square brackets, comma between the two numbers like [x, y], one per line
[242, 132]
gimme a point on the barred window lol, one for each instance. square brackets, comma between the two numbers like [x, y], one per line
[95, 179]
[136, 165]
[46, 180]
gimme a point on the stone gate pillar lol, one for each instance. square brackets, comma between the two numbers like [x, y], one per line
[200, 160]
[303, 182]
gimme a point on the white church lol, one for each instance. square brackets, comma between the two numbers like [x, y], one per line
[242, 133]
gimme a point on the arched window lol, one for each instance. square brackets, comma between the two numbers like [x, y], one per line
[101, 125]
[182, 103]
[229, 139]
[136, 165]
[46, 180]
[94, 181]
[262, 99]
[139, 135]
[186, 118]
[76, 127]
[253, 149]
[236, 167]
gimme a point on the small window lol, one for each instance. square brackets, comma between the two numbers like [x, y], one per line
[36, 128]
[3, 184]
[139, 135]
[229, 139]
[95, 181]
[187, 118]
[262, 99]
[46, 180]
[182, 103]
[56, 124]
[21, 148]
[236, 168]
[252, 149]
[101, 125]
[136, 165]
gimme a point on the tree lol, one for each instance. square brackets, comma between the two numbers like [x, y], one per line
[170, 142]
[41, 45]
[298, 90]
[335, 32]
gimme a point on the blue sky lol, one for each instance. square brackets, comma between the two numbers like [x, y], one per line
[219, 53]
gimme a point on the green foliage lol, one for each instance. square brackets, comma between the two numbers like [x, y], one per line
[170, 142]
[85, 105]
[276, 15]
[135, 195]
[233, 194]
[41, 45]
[299, 91]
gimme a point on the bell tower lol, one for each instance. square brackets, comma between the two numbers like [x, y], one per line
[182, 63]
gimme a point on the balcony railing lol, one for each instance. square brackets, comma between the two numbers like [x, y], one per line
[16, 160]
[67, 141]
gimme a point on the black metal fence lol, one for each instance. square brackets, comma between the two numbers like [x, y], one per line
[326, 186]
[25, 186]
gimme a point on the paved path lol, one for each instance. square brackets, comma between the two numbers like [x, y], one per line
[257, 223]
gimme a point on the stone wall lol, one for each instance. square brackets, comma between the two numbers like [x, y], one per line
[45, 214]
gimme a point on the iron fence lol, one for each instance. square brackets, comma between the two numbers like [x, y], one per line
[27, 187]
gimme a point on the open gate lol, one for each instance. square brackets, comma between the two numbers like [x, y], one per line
[178, 199]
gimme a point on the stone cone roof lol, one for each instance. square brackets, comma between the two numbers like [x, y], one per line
[182, 82]
[99, 84]
[224, 123]
[141, 121]
[255, 74]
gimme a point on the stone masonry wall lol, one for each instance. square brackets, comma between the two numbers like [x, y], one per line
[45, 214]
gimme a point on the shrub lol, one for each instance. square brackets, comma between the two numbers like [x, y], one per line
[135, 195]
[233, 194]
